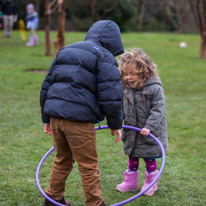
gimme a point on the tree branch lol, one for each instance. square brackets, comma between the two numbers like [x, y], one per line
[204, 10]
[52, 3]
[93, 10]
[54, 8]
[194, 14]
[168, 8]
[110, 9]
[199, 15]
[204, 17]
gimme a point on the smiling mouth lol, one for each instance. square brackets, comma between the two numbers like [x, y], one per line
[131, 84]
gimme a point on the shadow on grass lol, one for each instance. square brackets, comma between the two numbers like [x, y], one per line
[43, 71]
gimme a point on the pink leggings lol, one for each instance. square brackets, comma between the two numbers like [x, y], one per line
[133, 164]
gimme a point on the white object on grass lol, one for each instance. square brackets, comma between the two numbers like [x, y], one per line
[183, 45]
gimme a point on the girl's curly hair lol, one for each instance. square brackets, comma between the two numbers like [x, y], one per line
[145, 68]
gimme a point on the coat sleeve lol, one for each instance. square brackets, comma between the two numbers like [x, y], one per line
[43, 93]
[109, 90]
[157, 110]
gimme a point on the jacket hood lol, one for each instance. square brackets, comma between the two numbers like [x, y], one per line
[107, 34]
[153, 80]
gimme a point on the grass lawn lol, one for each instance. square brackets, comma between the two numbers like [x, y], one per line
[23, 142]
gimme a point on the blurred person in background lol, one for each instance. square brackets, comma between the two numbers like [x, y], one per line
[32, 24]
[9, 17]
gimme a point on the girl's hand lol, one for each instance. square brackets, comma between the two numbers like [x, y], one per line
[145, 131]
[47, 129]
[119, 133]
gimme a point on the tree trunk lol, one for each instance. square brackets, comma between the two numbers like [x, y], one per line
[59, 42]
[37, 6]
[141, 15]
[200, 19]
[203, 32]
[203, 46]
[93, 10]
[47, 28]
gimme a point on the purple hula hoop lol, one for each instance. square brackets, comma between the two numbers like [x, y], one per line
[117, 204]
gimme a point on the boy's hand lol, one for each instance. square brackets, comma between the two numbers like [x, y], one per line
[119, 133]
[47, 129]
[145, 131]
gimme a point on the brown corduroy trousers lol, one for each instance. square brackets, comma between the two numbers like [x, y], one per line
[75, 141]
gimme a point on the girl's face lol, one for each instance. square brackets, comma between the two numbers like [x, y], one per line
[29, 10]
[130, 76]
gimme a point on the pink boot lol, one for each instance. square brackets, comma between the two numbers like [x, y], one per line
[149, 177]
[36, 41]
[31, 41]
[130, 182]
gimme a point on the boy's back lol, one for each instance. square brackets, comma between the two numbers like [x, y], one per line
[83, 81]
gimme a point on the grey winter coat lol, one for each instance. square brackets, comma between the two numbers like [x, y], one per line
[145, 108]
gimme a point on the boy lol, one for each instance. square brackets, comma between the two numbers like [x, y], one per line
[83, 86]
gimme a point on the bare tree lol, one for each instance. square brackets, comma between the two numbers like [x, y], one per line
[141, 11]
[93, 10]
[49, 7]
[93, 4]
[198, 8]
[59, 42]
[146, 10]
[37, 6]
[175, 10]
[109, 9]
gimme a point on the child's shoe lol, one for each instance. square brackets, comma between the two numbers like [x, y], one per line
[149, 177]
[30, 42]
[36, 41]
[130, 182]
[63, 201]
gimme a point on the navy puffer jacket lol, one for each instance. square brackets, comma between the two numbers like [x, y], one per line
[83, 82]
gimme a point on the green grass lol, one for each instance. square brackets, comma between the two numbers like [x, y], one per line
[23, 142]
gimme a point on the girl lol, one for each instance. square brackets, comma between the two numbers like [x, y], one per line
[32, 23]
[144, 107]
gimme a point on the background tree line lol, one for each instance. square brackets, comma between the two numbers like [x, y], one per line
[130, 15]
